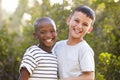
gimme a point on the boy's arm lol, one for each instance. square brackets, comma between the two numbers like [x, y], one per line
[24, 74]
[84, 76]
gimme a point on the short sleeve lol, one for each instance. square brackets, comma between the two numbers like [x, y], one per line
[28, 62]
[87, 60]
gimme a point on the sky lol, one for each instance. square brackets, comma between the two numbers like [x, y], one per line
[10, 5]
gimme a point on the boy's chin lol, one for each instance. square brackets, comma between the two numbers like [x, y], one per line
[49, 45]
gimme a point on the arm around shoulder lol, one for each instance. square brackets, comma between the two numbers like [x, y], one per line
[84, 76]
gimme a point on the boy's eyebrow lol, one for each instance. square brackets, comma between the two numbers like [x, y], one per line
[80, 19]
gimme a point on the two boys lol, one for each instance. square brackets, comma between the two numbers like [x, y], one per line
[75, 56]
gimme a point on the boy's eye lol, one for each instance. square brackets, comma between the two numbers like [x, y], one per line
[42, 32]
[85, 24]
[76, 20]
[52, 31]
[45, 32]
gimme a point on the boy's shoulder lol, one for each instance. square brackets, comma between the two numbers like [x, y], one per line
[84, 46]
[61, 42]
[32, 49]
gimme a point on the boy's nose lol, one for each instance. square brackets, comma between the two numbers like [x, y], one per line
[48, 34]
[79, 26]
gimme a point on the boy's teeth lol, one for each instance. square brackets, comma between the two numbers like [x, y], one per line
[77, 31]
[48, 40]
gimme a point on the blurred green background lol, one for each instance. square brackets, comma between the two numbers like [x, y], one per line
[16, 30]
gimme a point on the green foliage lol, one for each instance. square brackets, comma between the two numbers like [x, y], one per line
[7, 71]
[12, 49]
[111, 66]
[99, 76]
[60, 20]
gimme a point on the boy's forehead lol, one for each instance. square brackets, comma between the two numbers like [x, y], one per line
[79, 12]
[42, 24]
[81, 16]
[47, 23]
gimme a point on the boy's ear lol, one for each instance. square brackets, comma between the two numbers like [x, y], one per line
[35, 36]
[90, 29]
[68, 20]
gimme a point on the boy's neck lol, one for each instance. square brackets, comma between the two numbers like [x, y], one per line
[73, 41]
[47, 49]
